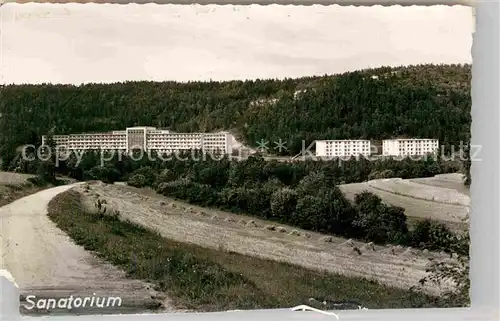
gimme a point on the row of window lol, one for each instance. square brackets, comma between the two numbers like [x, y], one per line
[343, 144]
[416, 141]
[347, 147]
[140, 137]
[338, 153]
[115, 147]
[140, 142]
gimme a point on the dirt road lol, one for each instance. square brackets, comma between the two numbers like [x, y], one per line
[46, 263]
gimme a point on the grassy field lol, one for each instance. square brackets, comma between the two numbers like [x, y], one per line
[8, 178]
[415, 209]
[204, 279]
[438, 194]
[14, 186]
[452, 181]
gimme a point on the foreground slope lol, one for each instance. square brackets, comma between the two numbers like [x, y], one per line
[215, 229]
[46, 263]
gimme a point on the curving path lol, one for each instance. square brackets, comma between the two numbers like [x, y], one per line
[45, 262]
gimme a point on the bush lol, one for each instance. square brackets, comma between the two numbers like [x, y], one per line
[381, 174]
[327, 212]
[195, 193]
[47, 171]
[107, 174]
[38, 181]
[137, 180]
[271, 186]
[253, 201]
[148, 173]
[377, 222]
[283, 203]
[201, 194]
[433, 236]
[169, 188]
[165, 176]
[313, 183]
[214, 175]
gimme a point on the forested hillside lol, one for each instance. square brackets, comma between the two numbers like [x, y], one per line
[417, 101]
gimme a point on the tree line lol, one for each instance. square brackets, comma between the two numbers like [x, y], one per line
[426, 101]
[304, 194]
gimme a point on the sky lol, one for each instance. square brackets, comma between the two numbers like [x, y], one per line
[103, 43]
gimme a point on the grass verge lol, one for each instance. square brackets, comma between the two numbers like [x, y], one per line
[11, 193]
[209, 280]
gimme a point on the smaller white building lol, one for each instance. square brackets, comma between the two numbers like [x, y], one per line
[342, 148]
[409, 147]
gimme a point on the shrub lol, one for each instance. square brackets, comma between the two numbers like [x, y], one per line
[253, 201]
[283, 203]
[381, 174]
[195, 193]
[148, 173]
[137, 180]
[313, 183]
[169, 188]
[164, 177]
[432, 235]
[107, 174]
[377, 222]
[38, 181]
[328, 212]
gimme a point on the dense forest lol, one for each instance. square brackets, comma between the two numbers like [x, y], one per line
[417, 101]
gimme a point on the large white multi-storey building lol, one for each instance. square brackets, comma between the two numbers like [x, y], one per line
[409, 147]
[145, 138]
[342, 148]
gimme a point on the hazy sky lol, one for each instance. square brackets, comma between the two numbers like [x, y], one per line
[75, 43]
